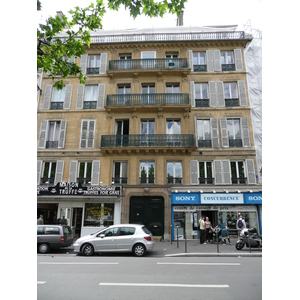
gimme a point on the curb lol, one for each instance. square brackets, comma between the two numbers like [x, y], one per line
[214, 255]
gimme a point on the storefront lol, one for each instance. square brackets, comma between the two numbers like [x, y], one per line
[186, 209]
[85, 209]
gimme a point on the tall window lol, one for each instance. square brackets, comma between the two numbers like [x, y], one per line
[85, 172]
[148, 59]
[93, 64]
[171, 60]
[231, 94]
[204, 134]
[237, 172]
[53, 134]
[91, 96]
[58, 98]
[120, 172]
[125, 61]
[147, 132]
[148, 94]
[172, 93]
[201, 95]
[199, 61]
[227, 61]
[123, 97]
[49, 173]
[174, 172]
[205, 172]
[234, 132]
[147, 172]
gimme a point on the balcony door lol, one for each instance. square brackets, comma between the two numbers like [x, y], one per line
[148, 94]
[123, 97]
[148, 59]
[121, 132]
[147, 128]
[172, 60]
[173, 93]
[173, 132]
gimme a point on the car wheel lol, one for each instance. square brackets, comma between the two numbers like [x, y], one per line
[139, 250]
[87, 250]
[43, 248]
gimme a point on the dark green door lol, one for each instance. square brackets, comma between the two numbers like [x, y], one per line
[149, 211]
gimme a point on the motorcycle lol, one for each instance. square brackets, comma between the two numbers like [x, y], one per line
[249, 236]
[216, 233]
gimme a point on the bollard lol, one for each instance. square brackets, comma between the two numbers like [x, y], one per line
[177, 237]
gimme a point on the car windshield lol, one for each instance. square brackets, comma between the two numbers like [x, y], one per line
[146, 230]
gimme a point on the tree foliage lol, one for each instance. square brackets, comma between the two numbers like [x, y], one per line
[59, 38]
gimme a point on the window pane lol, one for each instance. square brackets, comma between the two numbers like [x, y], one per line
[233, 90]
[204, 91]
[170, 169]
[89, 169]
[143, 169]
[195, 58]
[233, 169]
[124, 169]
[97, 214]
[197, 91]
[230, 129]
[202, 58]
[226, 90]
[151, 169]
[206, 130]
[223, 58]
[241, 169]
[237, 129]
[53, 168]
[229, 57]
[81, 169]
[201, 169]
[209, 169]
[178, 171]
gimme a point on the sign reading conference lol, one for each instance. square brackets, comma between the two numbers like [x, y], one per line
[222, 199]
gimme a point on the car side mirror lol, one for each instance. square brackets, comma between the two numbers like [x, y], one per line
[102, 235]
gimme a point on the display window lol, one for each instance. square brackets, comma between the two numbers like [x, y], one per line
[99, 214]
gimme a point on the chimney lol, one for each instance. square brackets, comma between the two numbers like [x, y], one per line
[179, 21]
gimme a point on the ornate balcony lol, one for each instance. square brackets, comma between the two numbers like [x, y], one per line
[228, 67]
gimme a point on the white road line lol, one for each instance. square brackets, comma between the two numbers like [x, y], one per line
[202, 264]
[77, 263]
[165, 285]
[41, 282]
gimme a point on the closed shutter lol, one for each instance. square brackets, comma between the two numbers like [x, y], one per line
[80, 95]
[103, 62]
[242, 93]
[224, 133]
[214, 133]
[212, 94]
[226, 172]
[90, 141]
[62, 135]
[43, 133]
[73, 171]
[238, 60]
[39, 170]
[47, 96]
[95, 172]
[191, 60]
[192, 93]
[217, 60]
[218, 172]
[220, 94]
[251, 177]
[210, 60]
[83, 63]
[245, 133]
[83, 136]
[194, 172]
[59, 171]
[73, 59]
[68, 96]
[101, 95]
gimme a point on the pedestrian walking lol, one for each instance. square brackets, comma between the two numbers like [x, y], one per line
[40, 220]
[207, 225]
[202, 230]
[240, 225]
[224, 231]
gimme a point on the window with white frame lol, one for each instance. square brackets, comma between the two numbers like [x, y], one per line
[87, 134]
[199, 61]
[120, 171]
[172, 93]
[58, 98]
[48, 173]
[174, 172]
[148, 59]
[93, 64]
[231, 94]
[91, 97]
[172, 60]
[123, 97]
[237, 172]
[53, 134]
[234, 132]
[147, 172]
[227, 61]
[201, 95]
[147, 132]
[148, 93]
[125, 61]
[204, 134]
[206, 172]
[84, 173]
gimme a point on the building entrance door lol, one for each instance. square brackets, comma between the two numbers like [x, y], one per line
[76, 221]
[149, 211]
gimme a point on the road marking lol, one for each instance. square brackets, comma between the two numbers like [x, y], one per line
[41, 282]
[165, 285]
[202, 264]
[77, 263]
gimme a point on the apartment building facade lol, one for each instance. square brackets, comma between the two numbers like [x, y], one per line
[159, 134]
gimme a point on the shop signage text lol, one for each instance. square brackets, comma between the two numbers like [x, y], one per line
[76, 189]
[185, 198]
[253, 198]
[222, 199]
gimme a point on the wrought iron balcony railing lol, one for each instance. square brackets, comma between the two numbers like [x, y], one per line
[57, 105]
[51, 144]
[90, 104]
[235, 143]
[206, 180]
[228, 67]
[92, 70]
[153, 63]
[238, 180]
[84, 180]
[147, 140]
[146, 180]
[204, 143]
[202, 102]
[200, 68]
[119, 180]
[174, 180]
[46, 180]
[147, 99]
[234, 102]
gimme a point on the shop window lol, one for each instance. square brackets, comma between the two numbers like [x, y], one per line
[99, 214]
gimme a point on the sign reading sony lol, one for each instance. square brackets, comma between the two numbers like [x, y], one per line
[222, 199]
[253, 198]
[185, 198]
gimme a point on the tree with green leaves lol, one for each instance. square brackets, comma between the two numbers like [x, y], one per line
[60, 39]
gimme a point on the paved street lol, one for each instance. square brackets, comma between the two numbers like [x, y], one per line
[70, 276]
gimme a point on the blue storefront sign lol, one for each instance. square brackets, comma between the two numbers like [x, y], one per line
[222, 199]
[185, 198]
[253, 198]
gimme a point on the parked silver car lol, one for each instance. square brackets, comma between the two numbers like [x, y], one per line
[53, 237]
[117, 238]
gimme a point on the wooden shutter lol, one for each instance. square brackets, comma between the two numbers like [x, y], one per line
[226, 172]
[191, 60]
[218, 172]
[220, 94]
[251, 177]
[214, 133]
[95, 172]
[210, 60]
[101, 95]
[224, 133]
[212, 94]
[83, 136]
[238, 60]
[217, 60]
[194, 165]
[245, 132]
[39, 170]
[47, 96]
[242, 93]
[43, 134]
[73, 171]
[80, 95]
[62, 135]
[192, 93]
[83, 63]
[59, 171]
[103, 63]
[73, 59]
[91, 134]
[68, 96]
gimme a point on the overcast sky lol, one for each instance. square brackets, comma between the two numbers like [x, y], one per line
[196, 13]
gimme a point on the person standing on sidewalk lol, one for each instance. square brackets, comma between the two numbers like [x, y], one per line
[40, 220]
[224, 231]
[207, 225]
[202, 229]
[240, 225]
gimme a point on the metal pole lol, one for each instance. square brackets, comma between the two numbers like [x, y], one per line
[171, 234]
[249, 241]
[218, 243]
[185, 241]
[177, 237]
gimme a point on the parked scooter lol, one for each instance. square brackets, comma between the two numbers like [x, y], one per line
[249, 236]
[216, 232]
